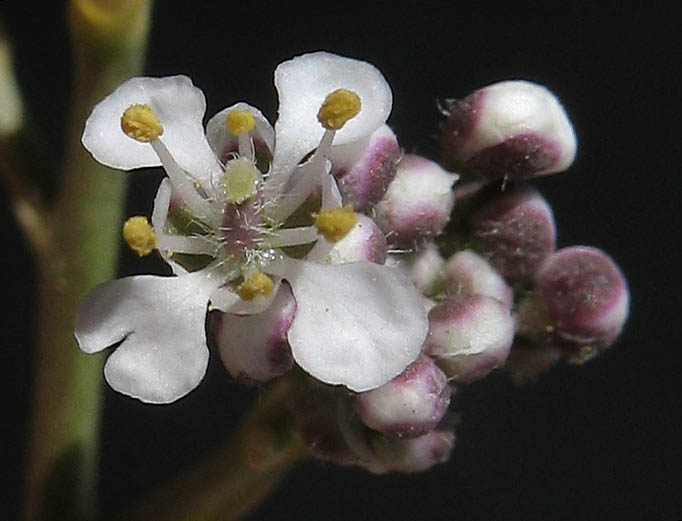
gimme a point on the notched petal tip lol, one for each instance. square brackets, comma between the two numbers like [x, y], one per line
[159, 322]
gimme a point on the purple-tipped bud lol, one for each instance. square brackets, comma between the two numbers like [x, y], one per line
[254, 348]
[364, 242]
[585, 295]
[515, 231]
[411, 404]
[364, 170]
[467, 273]
[422, 267]
[469, 336]
[412, 454]
[514, 129]
[418, 202]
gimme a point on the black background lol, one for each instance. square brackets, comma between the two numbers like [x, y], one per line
[598, 441]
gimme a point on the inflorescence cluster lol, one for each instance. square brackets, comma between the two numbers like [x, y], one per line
[316, 248]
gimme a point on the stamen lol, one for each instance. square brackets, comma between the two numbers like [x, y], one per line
[139, 235]
[141, 124]
[257, 285]
[335, 223]
[290, 237]
[241, 180]
[182, 244]
[338, 107]
[240, 122]
[184, 185]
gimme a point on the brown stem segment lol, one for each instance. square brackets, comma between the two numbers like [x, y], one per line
[233, 481]
[83, 228]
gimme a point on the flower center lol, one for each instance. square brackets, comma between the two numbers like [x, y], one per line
[241, 180]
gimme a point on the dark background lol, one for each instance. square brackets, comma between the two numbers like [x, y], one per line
[598, 441]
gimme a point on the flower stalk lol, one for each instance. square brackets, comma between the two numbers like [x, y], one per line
[238, 477]
[79, 235]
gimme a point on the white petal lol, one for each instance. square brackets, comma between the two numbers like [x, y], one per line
[179, 105]
[160, 324]
[303, 83]
[357, 324]
[221, 139]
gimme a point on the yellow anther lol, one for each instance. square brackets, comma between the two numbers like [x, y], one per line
[241, 180]
[141, 124]
[338, 107]
[239, 121]
[139, 235]
[334, 224]
[257, 285]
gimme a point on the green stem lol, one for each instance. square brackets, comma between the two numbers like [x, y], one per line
[82, 233]
[233, 481]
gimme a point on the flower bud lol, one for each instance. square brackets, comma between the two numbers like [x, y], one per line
[418, 202]
[411, 404]
[467, 273]
[364, 242]
[422, 267]
[412, 454]
[585, 295]
[469, 336]
[254, 348]
[514, 129]
[364, 170]
[515, 231]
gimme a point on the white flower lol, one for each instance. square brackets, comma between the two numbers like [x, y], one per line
[228, 230]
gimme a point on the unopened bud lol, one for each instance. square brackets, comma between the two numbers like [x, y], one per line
[469, 336]
[411, 404]
[514, 129]
[467, 273]
[254, 348]
[515, 231]
[585, 295]
[418, 202]
[364, 170]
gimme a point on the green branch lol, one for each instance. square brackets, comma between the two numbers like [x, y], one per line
[238, 477]
[82, 231]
